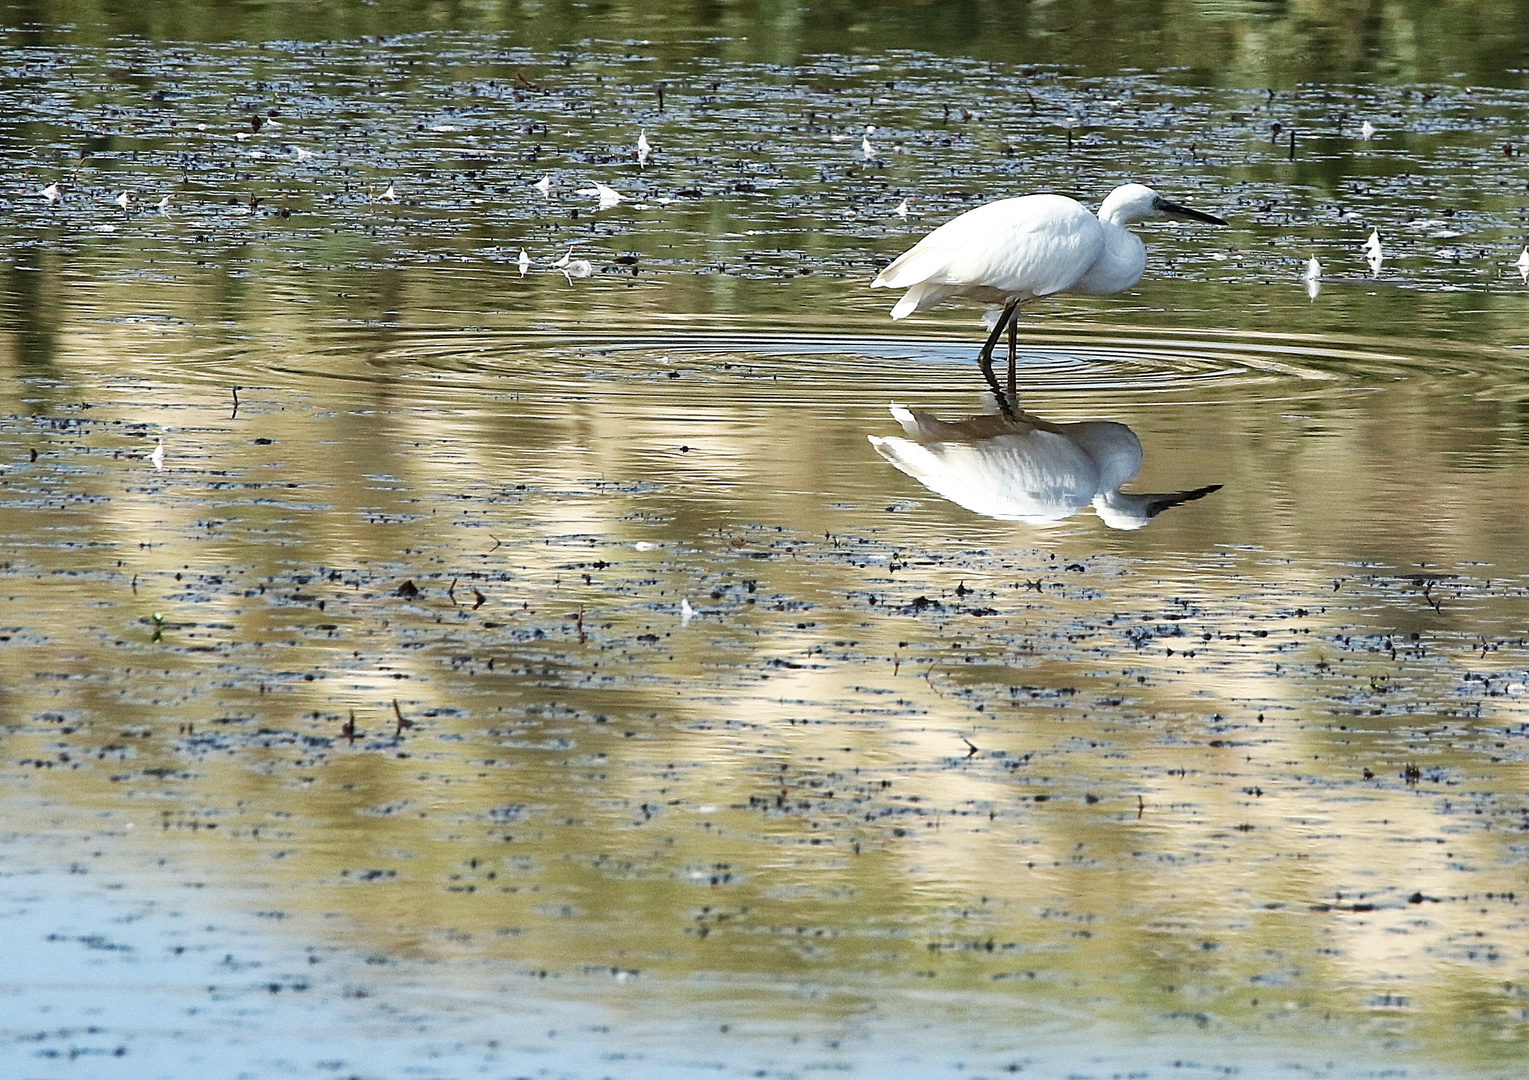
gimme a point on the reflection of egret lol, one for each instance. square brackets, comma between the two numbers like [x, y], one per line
[1014, 250]
[607, 195]
[1372, 253]
[1023, 468]
[574, 268]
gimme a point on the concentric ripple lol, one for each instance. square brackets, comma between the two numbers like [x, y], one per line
[1108, 365]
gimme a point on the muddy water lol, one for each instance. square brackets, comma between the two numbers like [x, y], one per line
[542, 675]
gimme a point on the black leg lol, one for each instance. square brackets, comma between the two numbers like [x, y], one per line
[985, 357]
[1013, 349]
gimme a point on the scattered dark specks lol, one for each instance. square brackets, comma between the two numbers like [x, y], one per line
[369, 874]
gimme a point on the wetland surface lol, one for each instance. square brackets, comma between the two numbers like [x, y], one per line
[418, 664]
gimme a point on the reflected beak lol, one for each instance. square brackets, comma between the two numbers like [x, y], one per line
[1173, 209]
[1156, 504]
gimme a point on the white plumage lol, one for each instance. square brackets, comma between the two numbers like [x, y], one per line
[1016, 250]
[1023, 468]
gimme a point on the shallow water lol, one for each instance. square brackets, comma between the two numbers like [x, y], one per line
[506, 675]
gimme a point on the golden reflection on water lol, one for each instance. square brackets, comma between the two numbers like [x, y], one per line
[1261, 765]
[568, 636]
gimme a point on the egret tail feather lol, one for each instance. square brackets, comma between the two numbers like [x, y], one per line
[920, 297]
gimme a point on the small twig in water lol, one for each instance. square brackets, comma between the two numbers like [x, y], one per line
[235, 391]
[402, 723]
[971, 746]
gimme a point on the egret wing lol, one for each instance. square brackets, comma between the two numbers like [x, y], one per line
[1029, 246]
[1032, 476]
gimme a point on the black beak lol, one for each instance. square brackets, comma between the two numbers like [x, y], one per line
[1173, 209]
[1156, 504]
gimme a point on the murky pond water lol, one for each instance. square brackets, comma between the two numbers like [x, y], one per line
[417, 664]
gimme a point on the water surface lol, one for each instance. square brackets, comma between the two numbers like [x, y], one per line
[522, 675]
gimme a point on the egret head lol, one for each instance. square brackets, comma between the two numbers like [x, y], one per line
[1121, 511]
[1138, 202]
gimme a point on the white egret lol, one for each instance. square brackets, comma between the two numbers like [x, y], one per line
[1023, 468]
[544, 185]
[902, 209]
[50, 193]
[1014, 250]
[158, 455]
[643, 148]
[574, 268]
[865, 144]
[124, 200]
[1523, 265]
[607, 195]
[1313, 278]
[390, 195]
[1372, 253]
[524, 262]
[164, 204]
[1367, 131]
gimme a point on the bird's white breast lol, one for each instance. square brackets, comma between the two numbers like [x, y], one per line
[1119, 265]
